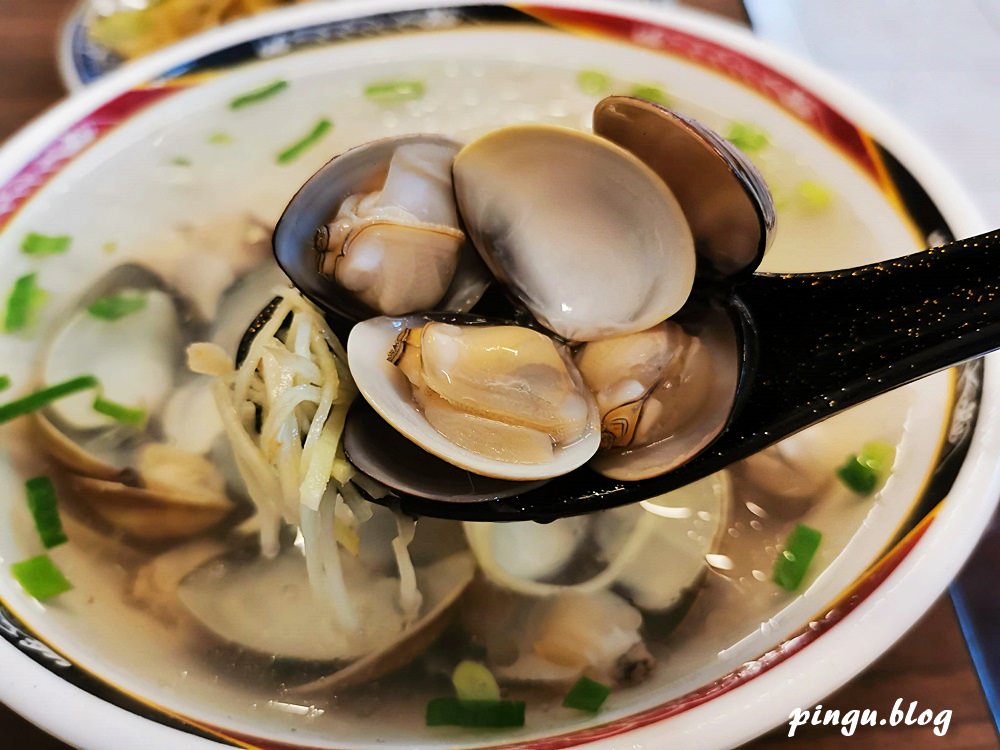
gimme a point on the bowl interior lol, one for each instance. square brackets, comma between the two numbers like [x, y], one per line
[183, 171]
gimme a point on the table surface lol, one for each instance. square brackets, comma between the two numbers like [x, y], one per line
[930, 665]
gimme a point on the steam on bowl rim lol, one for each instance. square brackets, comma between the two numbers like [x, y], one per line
[910, 588]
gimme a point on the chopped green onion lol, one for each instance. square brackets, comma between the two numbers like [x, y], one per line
[4, 382]
[394, 92]
[134, 416]
[252, 97]
[879, 456]
[117, 306]
[800, 547]
[587, 695]
[813, 195]
[219, 137]
[291, 153]
[859, 479]
[43, 244]
[593, 82]
[40, 577]
[474, 682]
[747, 137]
[455, 712]
[864, 472]
[24, 300]
[42, 503]
[181, 161]
[109, 247]
[45, 396]
[650, 92]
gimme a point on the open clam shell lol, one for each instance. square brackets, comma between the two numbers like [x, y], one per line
[540, 560]
[443, 584]
[723, 196]
[718, 386]
[387, 389]
[377, 449]
[151, 515]
[291, 622]
[362, 169]
[141, 355]
[135, 356]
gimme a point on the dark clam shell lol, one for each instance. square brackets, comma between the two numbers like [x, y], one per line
[723, 196]
[360, 169]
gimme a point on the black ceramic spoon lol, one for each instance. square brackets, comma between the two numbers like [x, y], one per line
[808, 345]
[812, 345]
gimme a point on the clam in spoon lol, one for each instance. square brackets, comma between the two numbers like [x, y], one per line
[801, 347]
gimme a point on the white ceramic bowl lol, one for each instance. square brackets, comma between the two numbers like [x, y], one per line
[101, 168]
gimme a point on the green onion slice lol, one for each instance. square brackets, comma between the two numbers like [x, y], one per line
[40, 577]
[650, 92]
[747, 137]
[44, 244]
[45, 396]
[117, 306]
[800, 547]
[859, 479]
[593, 82]
[813, 195]
[41, 496]
[181, 161]
[394, 92]
[4, 382]
[474, 682]
[867, 471]
[257, 95]
[133, 416]
[219, 137]
[24, 300]
[587, 695]
[291, 153]
[455, 712]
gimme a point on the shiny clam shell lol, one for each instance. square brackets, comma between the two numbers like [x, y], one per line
[723, 196]
[580, 231]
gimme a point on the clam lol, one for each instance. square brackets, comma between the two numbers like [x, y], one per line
[588, 238]
[376, 232]
[724, 198]
[497, 400]
[664, 393]
[555, 640]
[122, 473]
[596, 239]
[387, 456]
[289, 620]
[546, 560]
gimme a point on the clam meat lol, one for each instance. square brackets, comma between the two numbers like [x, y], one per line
[556, 640]
[397, 248]
[664, 393]
[377, 232]
[500, 400]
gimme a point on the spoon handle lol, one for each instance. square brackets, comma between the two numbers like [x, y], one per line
[826, 341]
[813, 344]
